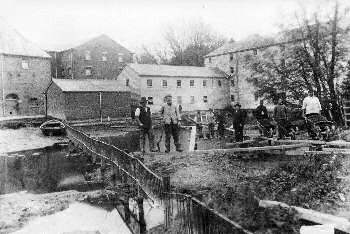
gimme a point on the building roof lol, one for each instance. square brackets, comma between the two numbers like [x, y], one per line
[103, 40]
[254, 41]
[13, 43]
[89, 85]
[176, 71]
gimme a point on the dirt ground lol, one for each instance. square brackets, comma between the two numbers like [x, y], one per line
[24, 139]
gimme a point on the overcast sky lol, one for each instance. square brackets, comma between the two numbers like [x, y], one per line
[60, 24]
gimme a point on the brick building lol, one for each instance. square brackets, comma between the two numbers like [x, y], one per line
[194, 88]
[24, 72]
[88, 99]
[99, 58]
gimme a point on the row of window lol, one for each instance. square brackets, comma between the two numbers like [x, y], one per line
[179, 83]
[104, 56]
[179, 100]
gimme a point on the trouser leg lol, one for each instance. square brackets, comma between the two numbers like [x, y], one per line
[168, 131]
[142, 139]
[175, 133]
[151, 139]
[211, 130]
[239, 133]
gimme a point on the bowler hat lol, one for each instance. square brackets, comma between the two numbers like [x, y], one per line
[143, 100]
[237, 104]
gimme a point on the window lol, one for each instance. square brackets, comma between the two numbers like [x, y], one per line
[87, 55]
[232, 82]
[232, 70]
[205, 99]
[34, 101]
[232, 98]
[11, 96]
[25, 64]
[165, 83]
[192, 99]
[88, 71]
[191, 83]
[150, 100]
[179, 100]
[69, 71]
[149, 83]
[255, 52]
[104, 56]
[231, 57]
[219, 83]
[204, 83]
[178, 83]
[127, 82]
[209, 59]
[120, 57]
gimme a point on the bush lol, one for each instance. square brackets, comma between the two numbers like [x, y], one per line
[306, 183]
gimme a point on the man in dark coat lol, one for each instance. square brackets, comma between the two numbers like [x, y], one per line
[143, 117]
[262, 117]
[238, 121]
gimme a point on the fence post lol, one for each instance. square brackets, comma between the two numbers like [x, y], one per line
[142, 221]
[166, 198]
[166, 185]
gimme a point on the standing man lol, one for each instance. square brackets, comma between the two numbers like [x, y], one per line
[280, 116]
[238, 121]
[261, 111]
[221, 124]
[171, 118]
[262, 117]
[311, 107]
[143, 117]
[211, 123]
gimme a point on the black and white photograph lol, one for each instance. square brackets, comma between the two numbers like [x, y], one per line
[175, 117]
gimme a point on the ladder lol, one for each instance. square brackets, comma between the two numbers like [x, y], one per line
[346, 111]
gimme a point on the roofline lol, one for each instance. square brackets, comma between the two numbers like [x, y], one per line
[127, 65]
[30, 56]
[183, 76]
[96, 91]
[256, 48]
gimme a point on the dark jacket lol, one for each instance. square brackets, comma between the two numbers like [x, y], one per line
[238, 117]
[145, 117]
[261, 112]
[280, 112]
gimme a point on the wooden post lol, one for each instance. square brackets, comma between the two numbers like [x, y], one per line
[100, 94]
[142, 221]
[166, 196]
[192, 139]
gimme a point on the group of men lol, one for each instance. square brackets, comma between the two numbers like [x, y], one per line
[170, 119]
[311, 107]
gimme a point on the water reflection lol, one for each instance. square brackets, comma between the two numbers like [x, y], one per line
[39, 170]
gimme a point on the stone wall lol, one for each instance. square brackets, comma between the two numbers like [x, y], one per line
[27, 83]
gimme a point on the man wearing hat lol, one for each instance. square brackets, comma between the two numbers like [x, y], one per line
[143, 117]
[238, 121]
[171, 118]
